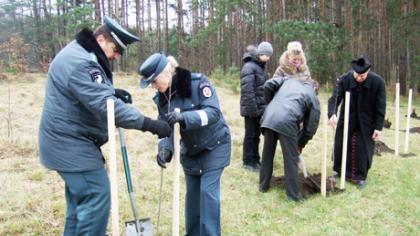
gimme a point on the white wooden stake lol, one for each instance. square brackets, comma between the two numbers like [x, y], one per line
[407, 128]
[397, 118]
[324, 158]
[345, 139]
[175, 198]
[113, 168]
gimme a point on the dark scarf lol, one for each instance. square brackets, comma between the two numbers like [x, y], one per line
[86, 39]
[258, 62]
[181, 86]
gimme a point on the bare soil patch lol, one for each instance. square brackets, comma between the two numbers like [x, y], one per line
[381, 147]
[308, 186]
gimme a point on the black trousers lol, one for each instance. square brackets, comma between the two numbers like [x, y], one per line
[289, 148]
[251, 142]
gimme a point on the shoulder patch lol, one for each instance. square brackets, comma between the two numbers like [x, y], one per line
[96, 76]
[206, 89]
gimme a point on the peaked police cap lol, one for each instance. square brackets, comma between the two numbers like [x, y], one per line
[151, 68]
[121, 36]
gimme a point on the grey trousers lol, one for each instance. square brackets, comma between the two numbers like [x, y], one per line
[289, 148]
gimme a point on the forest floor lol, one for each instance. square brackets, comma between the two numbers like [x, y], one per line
[32, 197]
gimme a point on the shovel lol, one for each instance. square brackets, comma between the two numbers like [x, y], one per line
[302, 166]
[136, 227]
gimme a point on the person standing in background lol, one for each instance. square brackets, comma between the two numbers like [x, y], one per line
[252, 103]
[366, 118]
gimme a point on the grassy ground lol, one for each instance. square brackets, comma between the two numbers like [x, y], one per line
[32, 198]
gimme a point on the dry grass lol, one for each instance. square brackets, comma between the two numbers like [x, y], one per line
[32, 198]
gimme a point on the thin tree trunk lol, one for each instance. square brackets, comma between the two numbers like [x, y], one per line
[158, 35]
[337, 19]
[149, 16]
[180, 27]
[284, 10]
[314, 11]
[166, 30]
[98, 11]
[110, 8]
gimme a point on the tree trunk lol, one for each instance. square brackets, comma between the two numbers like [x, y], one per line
[314, 11]
[98, 11]
[110, 8]
[149, 16]
[180, 28]
[337, 19]
[166, 30]
[402, 69]
[36, 22]
[284, 9]
[158, 35]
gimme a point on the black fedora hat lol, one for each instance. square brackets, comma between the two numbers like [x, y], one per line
[121, 36]
[361, 65]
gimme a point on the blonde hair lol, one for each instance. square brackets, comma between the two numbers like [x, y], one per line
[294, 48]
[170, 67]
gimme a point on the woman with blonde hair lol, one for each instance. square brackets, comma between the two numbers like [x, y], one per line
[292, 63]
[205, 137]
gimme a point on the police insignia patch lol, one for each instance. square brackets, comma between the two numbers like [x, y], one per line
[96, 76]
[206, 91]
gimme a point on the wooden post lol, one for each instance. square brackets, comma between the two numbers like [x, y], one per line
[397, 118]
[407, 127]
[345, 139]
[113, 168]
[175, 199]
[324, 157]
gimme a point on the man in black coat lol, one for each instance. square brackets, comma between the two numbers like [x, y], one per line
[366, 118]
[253, 77]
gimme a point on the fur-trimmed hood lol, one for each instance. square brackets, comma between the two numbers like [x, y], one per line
[286, 69]
[181, 86]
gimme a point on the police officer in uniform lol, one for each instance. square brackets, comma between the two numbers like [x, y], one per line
[205, 137]
[74, 123]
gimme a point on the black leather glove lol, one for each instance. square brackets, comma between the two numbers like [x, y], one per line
[161, 128]
[123, 95]
[174, 117]
[164, 156]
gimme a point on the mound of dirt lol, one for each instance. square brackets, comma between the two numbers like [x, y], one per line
[410, 154]
[387, 123]
[414, 115]
[381, 147]
[308, 186]
[415, 130]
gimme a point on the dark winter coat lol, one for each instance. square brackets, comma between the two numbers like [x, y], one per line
[253, 77]
[369, 111]
[291, 102]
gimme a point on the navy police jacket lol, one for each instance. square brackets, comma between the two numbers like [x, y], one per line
[205, 138]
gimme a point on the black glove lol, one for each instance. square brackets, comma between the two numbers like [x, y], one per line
[174, 117]
[164, 156]
[123, 95]
[161, 128]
